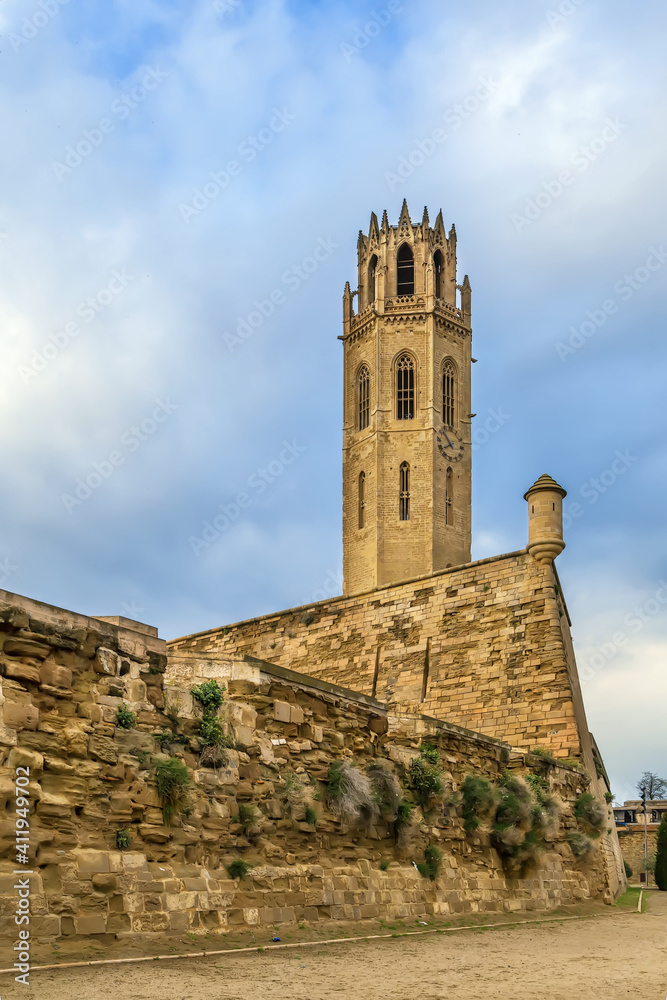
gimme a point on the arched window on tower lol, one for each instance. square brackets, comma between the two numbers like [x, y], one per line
[363, 397]
[404, 492]
[449, 496]
[362, 499]
[372, 270]
[438, 263]
[405, 388]
[405, 271]
[449, 394]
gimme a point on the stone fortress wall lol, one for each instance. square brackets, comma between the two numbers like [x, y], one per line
[485, 645]
[63, 678]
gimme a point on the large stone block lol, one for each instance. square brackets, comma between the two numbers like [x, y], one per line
[16, 646]
[90, 923]
[107, 662]
[22, 672]
[20, 716]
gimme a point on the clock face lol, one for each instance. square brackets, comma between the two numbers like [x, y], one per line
[450, 445]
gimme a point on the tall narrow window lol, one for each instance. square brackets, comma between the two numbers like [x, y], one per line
[372, 269]
[405, 271]
[404, 495]
[363, 397]
[449, 394]
[362, 499]
[449, 497]
[405, 387]
[437, 272]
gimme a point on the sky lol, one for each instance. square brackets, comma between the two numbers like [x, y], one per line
[166, 170]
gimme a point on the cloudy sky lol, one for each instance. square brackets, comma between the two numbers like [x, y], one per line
[167, 167]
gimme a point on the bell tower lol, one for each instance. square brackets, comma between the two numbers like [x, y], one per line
[407, 421]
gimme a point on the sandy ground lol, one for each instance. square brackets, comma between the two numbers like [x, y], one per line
[613, 955]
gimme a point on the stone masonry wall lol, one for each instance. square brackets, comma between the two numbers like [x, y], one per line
[631, 839]
[485, 646]
[64, 677]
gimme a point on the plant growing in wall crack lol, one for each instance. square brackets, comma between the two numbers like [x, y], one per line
[425, 777]
[430, 866]
[172, 781]
[125, 719]
[349, 794]
[590, 814]
[478, 798]
[210, 732]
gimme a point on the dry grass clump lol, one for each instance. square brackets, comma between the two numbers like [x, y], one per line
[350, 794]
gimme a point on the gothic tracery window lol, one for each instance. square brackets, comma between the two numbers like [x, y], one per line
[363, 397]
[449, 394]
[404, 492]
[405, 271]
[405, 388]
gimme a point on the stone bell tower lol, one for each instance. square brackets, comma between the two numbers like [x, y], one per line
[406, 429]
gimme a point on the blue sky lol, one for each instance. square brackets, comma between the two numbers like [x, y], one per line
[166, 166]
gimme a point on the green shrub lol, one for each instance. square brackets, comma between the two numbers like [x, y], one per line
[628, 869]
[172, 781]
[247, 816]
[425, 780]
[403, 819]
[538, 785]
[478, 800]
[310, 816]
[430, 866]
[661, 856]
[543, 753]
[517, 831]
[350, 795]
[209, 695]
[238, 868]
[125, 718]
[430, 753]
[609, 797]
[123, 839]
[590, 814]
[211, 733]
[384, 864]
[582, 846]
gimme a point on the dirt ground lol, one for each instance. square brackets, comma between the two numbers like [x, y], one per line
[615, 954]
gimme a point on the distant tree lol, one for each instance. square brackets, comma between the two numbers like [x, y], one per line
[661, 856]
[656, 788]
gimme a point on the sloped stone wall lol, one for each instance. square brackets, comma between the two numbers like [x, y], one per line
[64, 677]
[484, 645]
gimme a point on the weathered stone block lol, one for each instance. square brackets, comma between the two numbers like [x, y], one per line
[102, 748]
[22, 672]
[16, 646]
[107, 662]
[20, 716]
[90, 923]
[281, 711]
[55, 676]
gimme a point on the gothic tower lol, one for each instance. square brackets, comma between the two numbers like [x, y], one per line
[406, 427]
